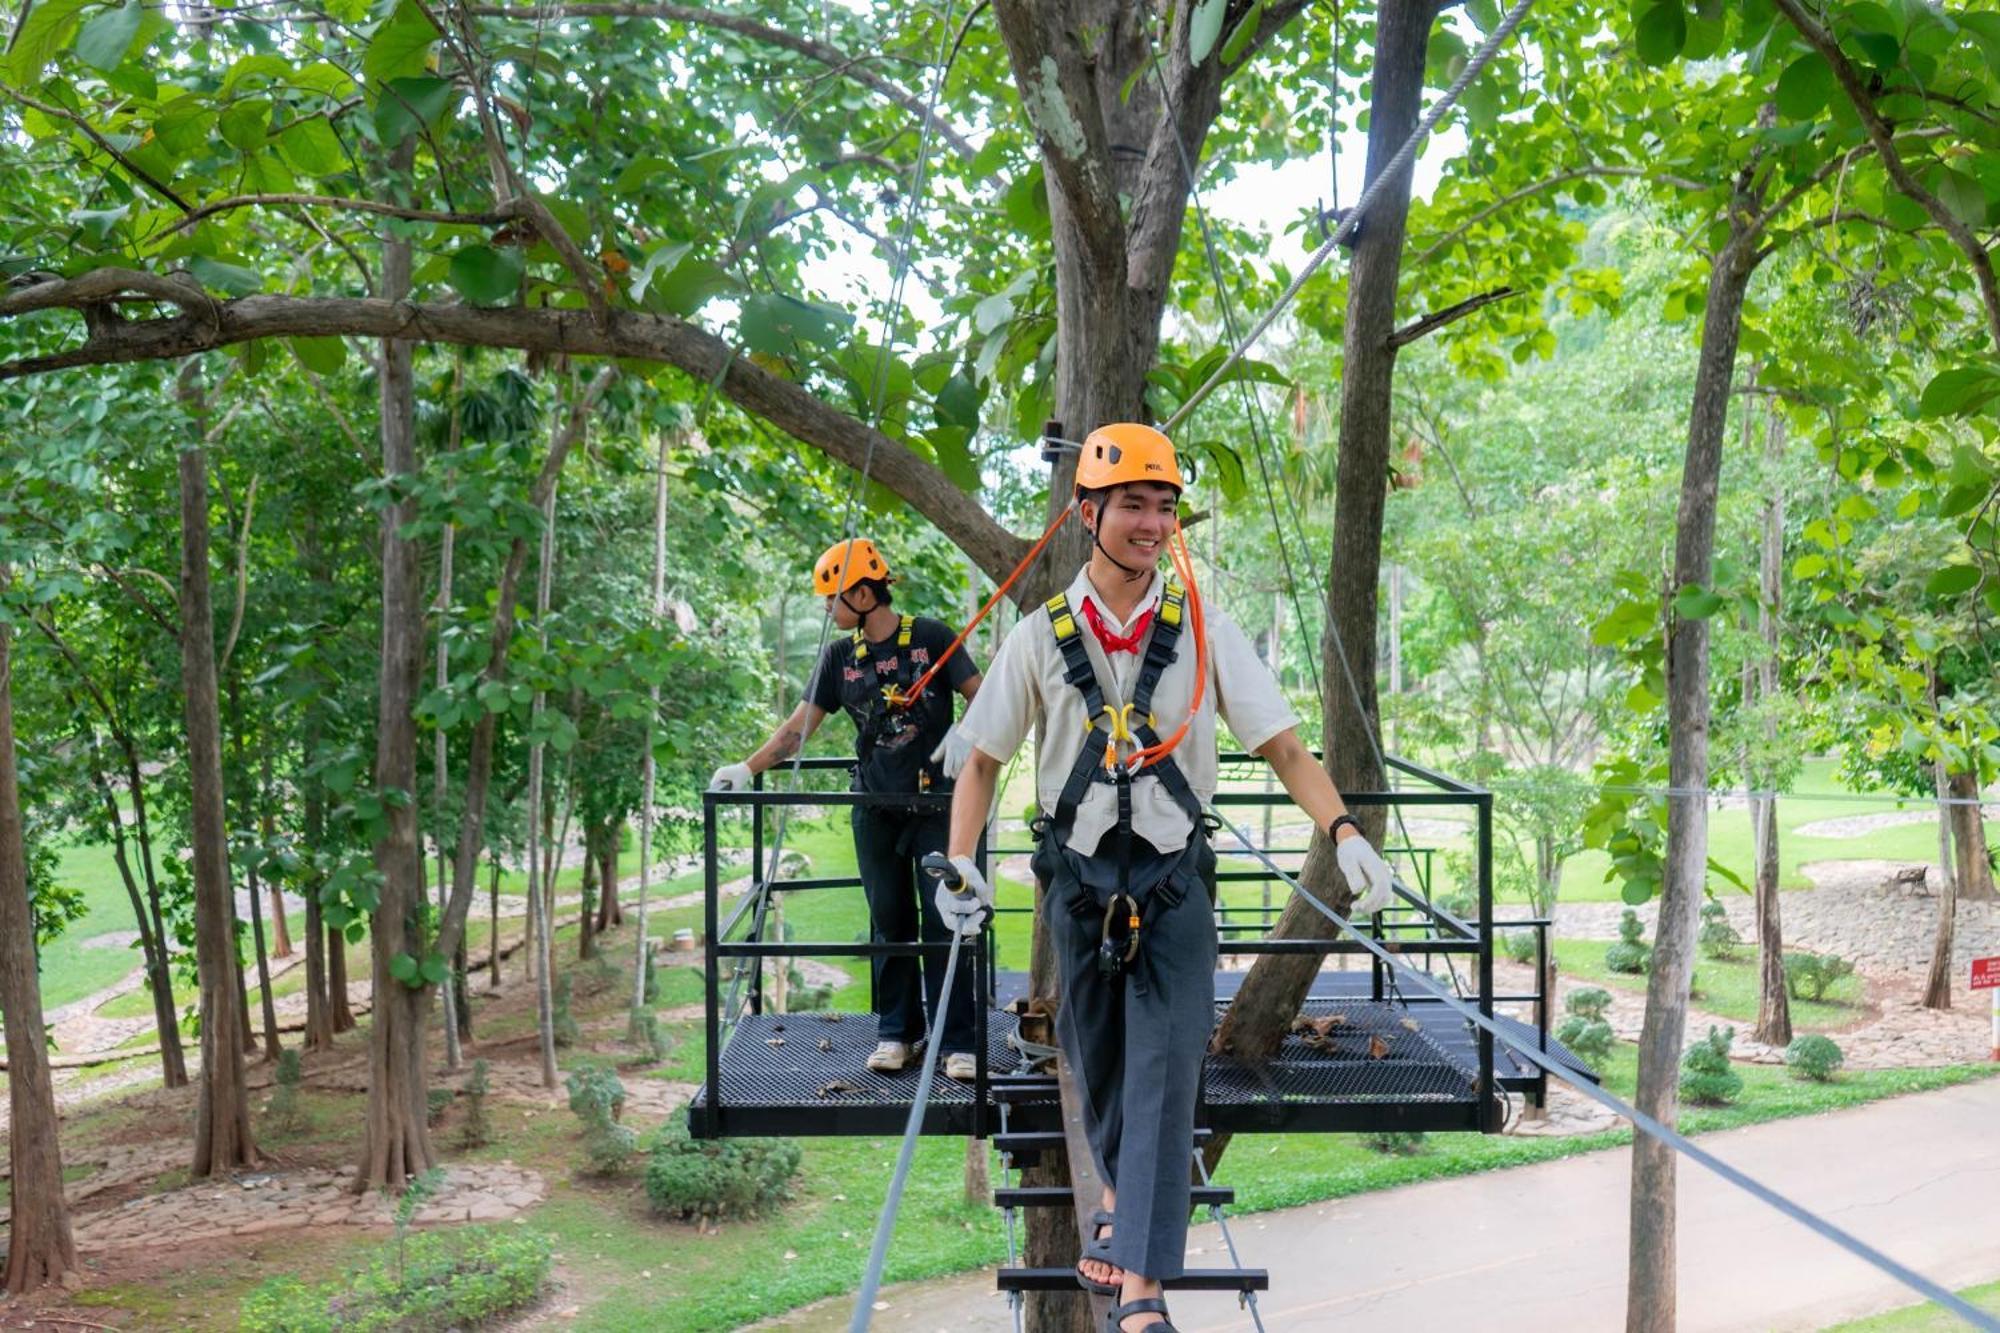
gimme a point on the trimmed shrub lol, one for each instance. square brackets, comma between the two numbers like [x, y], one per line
[1397, 1142]
[1706, 1078]
[1630, 954]
[447, 1280]
[652, 975]
[478, 1130]
[716, 1179]
[598, 1098]
[1718, 939]
[642, 1030]
[283, 1111]
[1808, 976]
[1588, 1002]
[1590, 1038]
[567, 1034]
[436, 1102]
[1519, 945]
[1814, 1057]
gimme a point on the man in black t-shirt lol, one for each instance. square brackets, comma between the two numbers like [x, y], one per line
[868, 672]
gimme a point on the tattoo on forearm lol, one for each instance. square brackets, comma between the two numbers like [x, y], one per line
[788, 743]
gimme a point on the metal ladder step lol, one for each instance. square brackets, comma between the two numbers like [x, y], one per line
[1023, 1146]
[1035, 1088]
[1194, 1279]
[1062, 1196]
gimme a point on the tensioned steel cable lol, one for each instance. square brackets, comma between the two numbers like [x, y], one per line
[1229, 1241]
[1480, 59]
[1642, 1122]
[878, 1254]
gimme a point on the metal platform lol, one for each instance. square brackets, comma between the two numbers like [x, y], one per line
[1380, 1065]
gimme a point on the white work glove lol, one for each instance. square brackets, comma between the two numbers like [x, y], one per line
[1367, 875]
[963, 911]
[952, 752]
[731, 777]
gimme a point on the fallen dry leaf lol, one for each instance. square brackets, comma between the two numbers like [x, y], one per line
[835, 1088]
[1377, 1048]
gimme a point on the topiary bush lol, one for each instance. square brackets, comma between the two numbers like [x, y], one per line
[1519, 945]
[1808, 976]
[1718, 939]
[567, 1034]
[1588, 1002]
[597, 1096]
[283, 1111]
[1630, 954]
[1814, 1057]
[446, 1280]
[717, 1179]
[642, 1030]
[1585, 1030]
[477, 1131]
[1706, 1076]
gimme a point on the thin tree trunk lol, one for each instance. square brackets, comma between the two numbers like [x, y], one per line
[648, 772]
[609, 911]
[222, 1141]
[40, 1251]
[541, 887]
[440, 777]
[1968, 831]
[336, 980]
[586, 916]
[319, 1007]
[281, 934]
[253, 888]
[1774, 1002]
[1937, 982]
[397, 1144]
[493, 919]
[1650, 1273]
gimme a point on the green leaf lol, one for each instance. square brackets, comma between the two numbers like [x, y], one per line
[1963, 499]
[322, 356]
[405, 969]
[958, 403]
[1952, 580]
[400, 47]
[104, 40]
[408, 105]
[228, 278]
[1661, 31]
[1960, 193]
[1804, 87]
[40, 35]
[1243, 33]
[245, 124]
[951, 445]
[1959, 391]
[1637, 891]
[486, 276]
[775, 324]
[433, 970]
[311, 148]
[1204, 27]
[1695, 602]
[1809, 566]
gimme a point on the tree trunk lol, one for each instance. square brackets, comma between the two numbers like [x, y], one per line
[609, 911]
[39, 1249]
[1257, 1020]
[541, 870]
[319, 1007]
[222, 1141]
[648, 772]
[397, 1145]
[281, 935]
[1968, 831]
[586, 916]
[1937, 983]
[493, 920]
[440, 757]
[1774, 1002]
[253, 888]
[1650, 1284]
[336, 980]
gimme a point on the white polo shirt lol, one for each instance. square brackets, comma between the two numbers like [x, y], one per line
[1026, 685]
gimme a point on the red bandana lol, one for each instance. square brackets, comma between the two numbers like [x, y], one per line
[1112, 643]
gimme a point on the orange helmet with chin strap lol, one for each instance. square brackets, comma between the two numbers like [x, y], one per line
[1126, 452]
[847, 563]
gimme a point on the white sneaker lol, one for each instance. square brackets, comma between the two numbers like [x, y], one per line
[961, 1065]
[891, 1057]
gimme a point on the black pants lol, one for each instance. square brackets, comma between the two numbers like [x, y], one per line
[888, 844]
[1136, 1041]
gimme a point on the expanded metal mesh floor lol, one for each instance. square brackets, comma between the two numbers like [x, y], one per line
[1356, 1050]
[820, 1059]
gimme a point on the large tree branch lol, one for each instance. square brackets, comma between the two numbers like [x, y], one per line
[830, 56]
[790, 407]
[1451, 314]
[1883, 138]
[491, 219]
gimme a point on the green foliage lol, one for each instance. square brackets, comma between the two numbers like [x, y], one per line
[436, 1102]
[1809, 975]
[477, 1131]
[1518, 945]
[1706, 1076]
[1589, 1001]
[1718, 939]
[718, 1179]
[283, 1112]
[643, 1031]
[1591, 1038]
[1815, 1057]
[597, 1096]
[567, 1034]
[1397, 1142]
[1630, 953]
[445, 1280]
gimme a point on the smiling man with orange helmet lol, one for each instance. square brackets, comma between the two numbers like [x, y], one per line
[868, 672]
[1126, 671]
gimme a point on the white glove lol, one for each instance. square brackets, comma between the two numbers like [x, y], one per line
[731, 777]
[952, 752]
[1367, 875]
[962, 911]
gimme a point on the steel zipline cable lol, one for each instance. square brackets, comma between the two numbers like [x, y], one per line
[1645, 1124]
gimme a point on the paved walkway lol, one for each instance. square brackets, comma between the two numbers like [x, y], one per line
[1543, 1247]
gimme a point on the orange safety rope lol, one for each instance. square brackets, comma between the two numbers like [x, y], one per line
[917, 690]
[1183, 563]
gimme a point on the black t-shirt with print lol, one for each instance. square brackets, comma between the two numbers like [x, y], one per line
[892, 746]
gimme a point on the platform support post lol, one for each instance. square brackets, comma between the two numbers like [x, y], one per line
[710, 922]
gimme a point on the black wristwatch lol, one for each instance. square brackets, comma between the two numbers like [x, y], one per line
[1333, 829]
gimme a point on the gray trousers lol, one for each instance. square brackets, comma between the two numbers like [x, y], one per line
[1136, 1042]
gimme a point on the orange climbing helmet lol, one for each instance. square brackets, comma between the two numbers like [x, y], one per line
[1125, 452]
[846, 564]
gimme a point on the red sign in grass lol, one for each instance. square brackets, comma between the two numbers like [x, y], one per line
[1986, 973]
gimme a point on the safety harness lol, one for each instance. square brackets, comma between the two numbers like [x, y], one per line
[888, 716]
[1099, 761]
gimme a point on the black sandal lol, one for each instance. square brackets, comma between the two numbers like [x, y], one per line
[1144, 1305]
[1099, 1248]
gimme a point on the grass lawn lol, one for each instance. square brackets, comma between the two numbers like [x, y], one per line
[1727, 989]
[1927, 1318]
